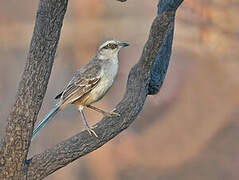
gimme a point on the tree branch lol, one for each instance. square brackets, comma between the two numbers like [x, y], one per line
[161, 62]
[145, 78]
[160, 41]
[32, 88]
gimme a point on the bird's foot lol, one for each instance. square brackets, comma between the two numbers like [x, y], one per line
[111, 113]
[91, 131]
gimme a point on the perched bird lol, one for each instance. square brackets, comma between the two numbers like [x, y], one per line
[89, 84]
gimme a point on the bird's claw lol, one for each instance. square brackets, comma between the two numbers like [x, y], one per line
[112, 113]
[91, 131]
[115, 114]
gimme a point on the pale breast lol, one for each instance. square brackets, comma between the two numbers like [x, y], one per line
[109, 72]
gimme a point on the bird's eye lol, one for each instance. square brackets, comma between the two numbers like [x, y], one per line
[110, 46]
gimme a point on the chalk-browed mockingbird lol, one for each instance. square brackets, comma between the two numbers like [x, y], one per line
[89, 84]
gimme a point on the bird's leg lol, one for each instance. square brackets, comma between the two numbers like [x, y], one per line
[88, 127]
[108, 114]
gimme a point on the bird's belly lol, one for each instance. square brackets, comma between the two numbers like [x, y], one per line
[102, 87]
[99, 91]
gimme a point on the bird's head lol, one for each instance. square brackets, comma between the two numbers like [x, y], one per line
[110, 49]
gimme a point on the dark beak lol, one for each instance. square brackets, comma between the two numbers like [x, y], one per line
[124, 44]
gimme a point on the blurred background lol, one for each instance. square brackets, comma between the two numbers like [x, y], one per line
[189, 131]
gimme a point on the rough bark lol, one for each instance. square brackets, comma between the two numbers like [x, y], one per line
[32, 88]
[145, 78]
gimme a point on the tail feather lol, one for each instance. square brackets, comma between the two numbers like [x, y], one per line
[45, 121]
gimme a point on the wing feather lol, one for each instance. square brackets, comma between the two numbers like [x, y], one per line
[77, 91]
[81, 84]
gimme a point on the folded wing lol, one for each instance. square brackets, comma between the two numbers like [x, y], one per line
[81, 84]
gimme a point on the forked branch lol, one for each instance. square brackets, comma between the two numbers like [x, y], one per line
[145, 78]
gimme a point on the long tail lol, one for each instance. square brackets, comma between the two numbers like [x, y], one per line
[45, 121]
